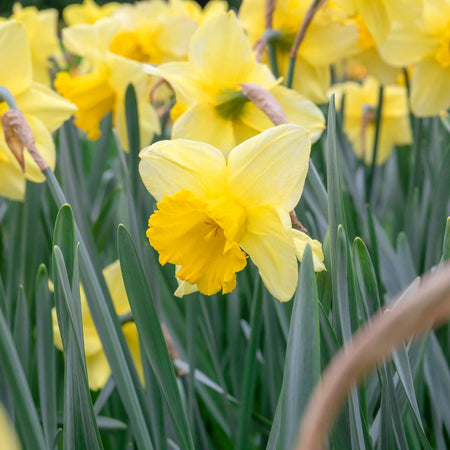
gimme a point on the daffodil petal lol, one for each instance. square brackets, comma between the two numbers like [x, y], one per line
[224, 61]
[376, 17]
[168, 167]
[407, 44]
[98, 370]
[46, 105]
[301, 240]
[12, 180]
[270, 168]
[216, 131]
[132, 338]
[116, 287]
[16, 73]
[430, 91]
[377, 67]
[9, 437]
[271, 248]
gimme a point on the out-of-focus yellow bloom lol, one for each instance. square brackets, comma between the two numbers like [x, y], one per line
[208, 86]
[104, 89]
[426, 43]
[88, 12]
[359, 118]
[9, 438]
[43, 109]
[211, 211]
[301, 240]
[41, 27]
[329, 38]
[97, 365]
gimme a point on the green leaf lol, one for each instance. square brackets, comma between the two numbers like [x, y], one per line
[150, 332]
[45, 356]
[21, 330]
[25, 411]
[302, 364]
[446, 243]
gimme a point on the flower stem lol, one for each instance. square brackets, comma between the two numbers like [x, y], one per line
[6, 96]
[273, 59]
[370, 176]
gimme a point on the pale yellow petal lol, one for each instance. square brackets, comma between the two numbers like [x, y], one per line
[116, 287]
[270, 246]
[407, 44]
[430, 92]
[252, 17]
[376, 17]
[98, 370]
[301, 240]
[436, 15]
[132, 338]
[12, 180]
[270, 168]
[15, 57]
[167, 167]
[201, 122]
[10, 440]
[46, 105]
[220, 51]
[377, 67]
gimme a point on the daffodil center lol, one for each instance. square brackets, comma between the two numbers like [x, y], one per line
[443, 51]
[229, 102]
[129, 45]
[92, 95]
[202, 237]
[365, 39]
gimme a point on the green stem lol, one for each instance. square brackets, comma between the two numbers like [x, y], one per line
[375, 144]
[6, 96]
[290, 73]
[273, 59]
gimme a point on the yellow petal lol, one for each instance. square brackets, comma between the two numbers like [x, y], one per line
[98, 370]
[224, 62]
[301, 240]
[270, 168]
[184, 288]
[116, 287]
[132, 338]
[216, 131]
[46, 105]
[407, 44]
[12, 179]
[436, 15]
[167, 167]
[16, 72]
[271, 248]
[430, 91]
[9, 437]
[375, 15]
[377, 67]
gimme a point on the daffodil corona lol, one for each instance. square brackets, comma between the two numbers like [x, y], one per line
[212, 213]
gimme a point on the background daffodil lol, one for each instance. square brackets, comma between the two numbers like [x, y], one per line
[426, 43]
[215, 110]
[9, 438]
[43, 109]
[103, 90]
[328, 39]
[97, 365]
[88, 12]
[211, 211]
[359, 117]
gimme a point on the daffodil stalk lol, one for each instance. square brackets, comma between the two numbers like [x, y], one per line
[6, 96]
[269, 37]
[310, 13]
[375, 144]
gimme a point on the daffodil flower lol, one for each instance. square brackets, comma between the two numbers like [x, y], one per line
[208, 88]
[43, 109]
[88, 12]
[97, 365]
[359, 118]
[329, 38]
[425, 43]
[10, 440]
[211, 211]
[103, 90]
[41, 27]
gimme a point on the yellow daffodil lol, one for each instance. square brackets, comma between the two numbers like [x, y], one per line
[103, 90]
[88, 12]
[43, 109]
[328, 39]
[359, 118]
[157, 31]
[214, 110]
[301, 240]
[97, 365]
[425, 43]
[211, 211]
[9, 437]
[41, 27]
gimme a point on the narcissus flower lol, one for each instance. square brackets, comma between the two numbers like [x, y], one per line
[97, 365]
[359, 117]
[103, 90]
[328, 39]
[88, 12]
[211, 211]
[9, 437]
[208, 88]
[43, 109]
[425, 43]
[41, 27]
